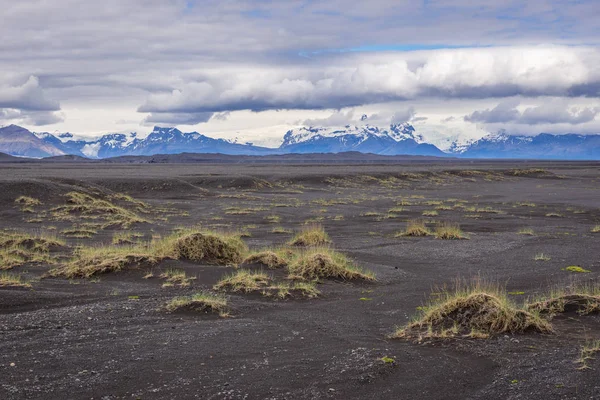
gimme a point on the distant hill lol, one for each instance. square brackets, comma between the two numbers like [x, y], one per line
[18, 141]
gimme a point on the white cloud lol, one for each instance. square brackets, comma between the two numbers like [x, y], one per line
[365, 79]
[26, 96]
[555, 111]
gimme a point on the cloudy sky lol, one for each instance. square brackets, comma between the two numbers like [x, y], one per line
[253, 69]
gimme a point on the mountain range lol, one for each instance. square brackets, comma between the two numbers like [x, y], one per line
[397, 139]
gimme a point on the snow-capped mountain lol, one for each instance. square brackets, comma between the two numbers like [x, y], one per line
[393, 140]
[397, 139]
[542, 146]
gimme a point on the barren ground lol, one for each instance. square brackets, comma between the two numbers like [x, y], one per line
[108, 338]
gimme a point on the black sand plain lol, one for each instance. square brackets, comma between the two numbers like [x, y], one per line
[108, 337]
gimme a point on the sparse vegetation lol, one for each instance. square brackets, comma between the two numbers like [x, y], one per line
[596, 229]
[430, 213]
[208, 247]
[323, 262]
[526, 231]
[415, 228]
[583, 299]
[85, 206]
[201, 302]
[449, 231]
[576, 269]
[176, 277]
[269, 258]
[279, 229]
[80, 233]
[527, 172]
[26, 203]
[195, 245]
[541, 257]
[588, 351]
[312, 235]
[18, 248]
[554, 214]
[12, 280]
[244, 281]
[473, 310]
[120, 238]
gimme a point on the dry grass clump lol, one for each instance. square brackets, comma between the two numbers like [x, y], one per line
[80, 233]
[475, 310]
[324, 262]
[526, 231]
[27, 203]
[527, 172]
[415, 227]
[87, 206]
[583, 299]
[18, 248]
[126, 237]
[284, 290]
[206, 246]
[279, 229]
[541, 257]
[176, 277]
[12, 280]
[430, 213]
[588, 351]
[596, 229]
[258, 282]
[90, 261]
[449, 231]
[312, 235]
[272, 259]
[201, 302]
[210, 247]
[244, 281]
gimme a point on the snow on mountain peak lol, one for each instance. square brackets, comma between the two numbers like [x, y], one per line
[396, 132]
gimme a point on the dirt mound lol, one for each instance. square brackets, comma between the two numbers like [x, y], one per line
[326, 264]
[268, 258]
[210, 248]
[476, 312]
[582, 304]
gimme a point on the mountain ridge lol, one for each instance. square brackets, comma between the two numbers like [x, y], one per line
[397, 139]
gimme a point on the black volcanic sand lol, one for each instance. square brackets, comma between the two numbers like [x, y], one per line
[107, 338]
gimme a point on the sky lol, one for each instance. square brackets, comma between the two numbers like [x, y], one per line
[251, 70]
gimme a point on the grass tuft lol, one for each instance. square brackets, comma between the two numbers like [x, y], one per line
[415, 228]
[583, 299]
[588, 351]
[541, 257]
[202, 302]
[449, 231]
[526, 231]
[12, 280]
[267, 257]
[311, 235]
[210, 247]
[477, 309]
[324, 262]
[244, 281]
